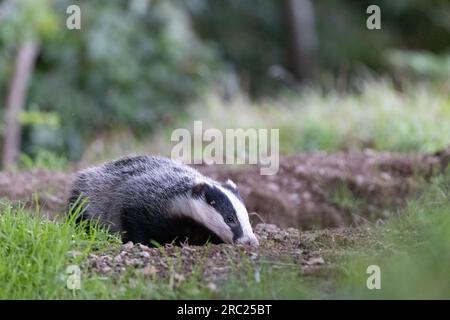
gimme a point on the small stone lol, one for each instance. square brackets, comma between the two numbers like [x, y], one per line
[306, 195]
[315, 261]
[270, 227]
[212, 286]
[359, 180]
[106, 269]
[149, 270]
[386, 176]
[144, 254]
[132, 262]
[128, 246]
[179, 277]
[74, 253]
[144, 247]
[300, 169]
[279, 236]
[273, 187]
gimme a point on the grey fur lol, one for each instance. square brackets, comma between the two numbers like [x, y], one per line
[139, 188]
[109, 185]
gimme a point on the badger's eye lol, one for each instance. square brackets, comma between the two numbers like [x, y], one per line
[212, 202]
[230, 220]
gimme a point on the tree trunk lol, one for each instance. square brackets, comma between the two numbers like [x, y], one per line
[300, 22]
[4, 8]
[23, 71]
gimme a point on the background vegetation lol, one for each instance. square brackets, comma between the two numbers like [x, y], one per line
[140, 65]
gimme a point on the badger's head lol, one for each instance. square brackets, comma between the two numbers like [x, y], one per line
[219, 208]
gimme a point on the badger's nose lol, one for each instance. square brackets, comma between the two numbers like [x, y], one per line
[248, 240]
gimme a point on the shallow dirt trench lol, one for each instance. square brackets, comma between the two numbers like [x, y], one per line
[304, 252]
[315, 190]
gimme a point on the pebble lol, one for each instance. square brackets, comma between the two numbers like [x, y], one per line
[128, 246]
[315, 261]
[212, 286]
[106, 269]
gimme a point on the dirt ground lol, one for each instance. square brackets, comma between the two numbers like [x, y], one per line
[305, 252]
[316, 190]
[330, 193]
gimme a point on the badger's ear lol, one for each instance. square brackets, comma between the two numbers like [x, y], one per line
[230, 184]
[199, 189]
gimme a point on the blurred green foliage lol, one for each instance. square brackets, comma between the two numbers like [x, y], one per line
[133, 64]
[249, 37]
[137, 65]
[43, 160]
[252, 37]
[423, 64]
[416, 119]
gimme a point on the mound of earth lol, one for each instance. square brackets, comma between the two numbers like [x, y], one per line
[309, 190]
[304, 251]
[332, 189]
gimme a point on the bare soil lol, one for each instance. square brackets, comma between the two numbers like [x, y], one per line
[333, 190]
[305, 252]
[316, 190]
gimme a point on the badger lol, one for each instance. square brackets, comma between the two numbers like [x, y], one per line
[152, 199]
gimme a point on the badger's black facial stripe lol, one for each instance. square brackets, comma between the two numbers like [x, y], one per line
[198, 189]
[220, 202]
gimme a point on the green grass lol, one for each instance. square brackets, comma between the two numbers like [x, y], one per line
[378, 116]
[35, 253]
[414, 257]
[43, 160]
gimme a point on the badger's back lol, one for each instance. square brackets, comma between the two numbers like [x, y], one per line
[146, 182]
[148, 198]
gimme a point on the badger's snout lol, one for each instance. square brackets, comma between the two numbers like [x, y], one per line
[253, 241]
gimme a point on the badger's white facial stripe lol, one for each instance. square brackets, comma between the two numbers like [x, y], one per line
[200, 211]
[204, 213]
[241, 213]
